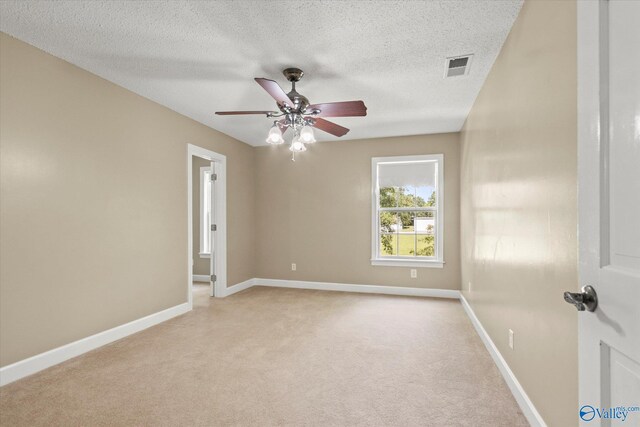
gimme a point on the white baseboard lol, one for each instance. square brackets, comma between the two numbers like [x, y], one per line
[239, 287]
[526, 405]
[23, 368]
[201, 278]
[369, 289]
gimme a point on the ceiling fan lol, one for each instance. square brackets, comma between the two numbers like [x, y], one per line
[297, 113]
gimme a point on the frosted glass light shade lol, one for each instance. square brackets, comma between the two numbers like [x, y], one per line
[275, 136]
[306, 135]
[297, 146]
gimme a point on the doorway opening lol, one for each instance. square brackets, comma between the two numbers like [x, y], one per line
[207, 257]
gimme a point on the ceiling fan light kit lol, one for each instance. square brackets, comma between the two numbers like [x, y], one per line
[306, 135]
[275, 135]
[297, 146]
[297, 113]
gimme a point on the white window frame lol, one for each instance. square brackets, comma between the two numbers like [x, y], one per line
[205, 228]
[398, 261]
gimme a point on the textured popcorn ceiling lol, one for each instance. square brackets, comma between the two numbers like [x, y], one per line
[199, 57]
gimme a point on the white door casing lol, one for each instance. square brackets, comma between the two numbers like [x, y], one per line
[609, 210]
[213, 225]
[219, 211]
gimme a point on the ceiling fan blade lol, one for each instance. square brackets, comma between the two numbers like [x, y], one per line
[234, 113]
[330, 127]
[340, 109]
[274, 90]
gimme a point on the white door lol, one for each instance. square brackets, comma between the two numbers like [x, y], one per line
[609, 210]
[213, 227]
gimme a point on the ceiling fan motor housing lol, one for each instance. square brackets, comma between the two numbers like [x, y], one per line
[300, 102]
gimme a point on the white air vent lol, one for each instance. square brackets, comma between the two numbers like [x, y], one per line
[457, 66]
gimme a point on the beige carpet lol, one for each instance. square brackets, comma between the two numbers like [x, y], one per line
[270, 356]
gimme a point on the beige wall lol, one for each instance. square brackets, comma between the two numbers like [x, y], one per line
[316, 212]
[94, 203]
[200, 265]
[519, 205]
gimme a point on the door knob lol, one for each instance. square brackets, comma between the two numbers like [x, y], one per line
[585, 300]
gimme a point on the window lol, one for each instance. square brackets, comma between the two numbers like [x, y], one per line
[205, 212]
[407, 221]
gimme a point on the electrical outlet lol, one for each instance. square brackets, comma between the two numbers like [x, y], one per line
[414, 273]
[469, 285]
[511, 339]
[293, 266]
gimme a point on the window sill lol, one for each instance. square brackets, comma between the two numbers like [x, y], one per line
[407, 263]
[205, 255]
